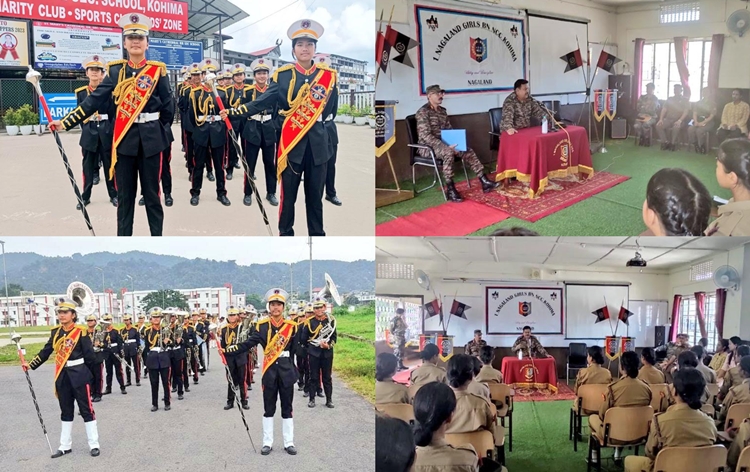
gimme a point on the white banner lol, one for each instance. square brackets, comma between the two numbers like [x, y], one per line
[469, 52]
[58, 46]
[509, 309]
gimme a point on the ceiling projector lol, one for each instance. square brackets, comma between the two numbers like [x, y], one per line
[636, 261]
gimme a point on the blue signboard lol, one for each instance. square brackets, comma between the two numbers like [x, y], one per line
[60, 104]
[174, 53]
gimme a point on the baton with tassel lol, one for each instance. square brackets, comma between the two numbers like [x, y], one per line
[16, 339]
[211, 81]
[33, 77]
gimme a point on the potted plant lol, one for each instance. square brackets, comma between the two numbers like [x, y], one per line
[11, 121]
[345, 112]
[359, 117]
[27, 119]
[371, 121]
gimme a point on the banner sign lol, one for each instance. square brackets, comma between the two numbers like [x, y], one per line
[509, 309]
[60, 104]
[385, 125]
[174, 52]
[58, 46]
[168, 16]
[611, 348]
[598, 105]
[468, 52]
[445, 344]
[14, 43]
[605, 104]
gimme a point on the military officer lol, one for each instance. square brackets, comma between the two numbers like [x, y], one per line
[72, 351]
[319, 351]
[144, 105]
[237, 92]
[176, 356]
[474, 347]
[306, 95]
[96, 367]
[131, 339]
[529, 345]
[398, 333]
[237, 364]
[278, 338]
[112, 348]
[157, 360]
[333, 135]
[96, 132]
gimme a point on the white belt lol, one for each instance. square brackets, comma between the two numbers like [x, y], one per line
[210, 118]
[129, 341]
[99, 117]
[155, 349]
[328, 118]
[284, 354]
[261, 118]
[74, 363]
[146, 117]
[113, 345]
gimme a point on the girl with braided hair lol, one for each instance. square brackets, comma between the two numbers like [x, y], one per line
[733, 173]
[677, 204]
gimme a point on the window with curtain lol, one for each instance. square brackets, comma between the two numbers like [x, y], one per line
[689, 320]
[660, 67]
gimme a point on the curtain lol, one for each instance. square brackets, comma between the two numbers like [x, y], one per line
[680, 50]
[637, 71]
[675, 318]
[700, 311]
[714, 62]
[721, 302]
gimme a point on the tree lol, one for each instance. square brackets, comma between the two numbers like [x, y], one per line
[164, 299]
[256, 301]
[14, 290]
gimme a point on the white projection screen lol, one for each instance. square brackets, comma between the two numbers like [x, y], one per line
[582, 299]
[549, 39]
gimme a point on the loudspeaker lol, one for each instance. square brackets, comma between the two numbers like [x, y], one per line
[660, 335]
[619, 128]
[625, 90]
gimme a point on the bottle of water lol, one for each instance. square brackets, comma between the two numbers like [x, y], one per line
[544, 125]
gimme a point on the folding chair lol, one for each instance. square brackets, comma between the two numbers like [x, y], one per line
[736, 415]
[743, 463]
[401, 411]
[679, 459]
[660, 396]
[622, 426]
[590, 398]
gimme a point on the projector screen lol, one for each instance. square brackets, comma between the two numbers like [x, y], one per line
[549, 40]
[582, 299]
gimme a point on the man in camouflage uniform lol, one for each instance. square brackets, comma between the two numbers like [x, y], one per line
[704, 114]
[648, 110]
[519, 108]
[672, 118]
[431, 120]
[673, 352]
[398, 337]
[474, 347]
[529, 345]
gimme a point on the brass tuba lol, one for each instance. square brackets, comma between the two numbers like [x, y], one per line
[326, 332]
[83, 296]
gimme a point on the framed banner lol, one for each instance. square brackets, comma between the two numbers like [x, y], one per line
[469, 52]
[175, 53]
[14, 43]
[58, 46]
[509, 309]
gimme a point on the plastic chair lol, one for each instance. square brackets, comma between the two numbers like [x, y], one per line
[413, 389]
[660, 395]
[401, 411]
[743, 463]
[736, 415]
[713, 392]
[577, 354]
[622, 426]
[680, 459]
[502, 397]
[496, 117]
[483, 442]
[590, 398]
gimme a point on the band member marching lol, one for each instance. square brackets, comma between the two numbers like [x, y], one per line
[201, 329]
[306, 95]
[96, 132]
[303, 362]
[157, 359]
[188, 343]
[319, 335]
[246, 321]
[96, 334]
[277, 336]
[141, 326]
[72, 351]
[195, 354]
[236, 92]
[131, 339]
[237, 364]
[144, 99]
[333, 135]
[176, 354]
[187, 126]
[112, 348]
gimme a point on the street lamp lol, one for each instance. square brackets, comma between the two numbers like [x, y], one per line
[7, 298]
[132, 290]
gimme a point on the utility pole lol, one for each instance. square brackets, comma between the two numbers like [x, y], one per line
[309, 241]
[132, 290]
[291, 282]
[7, 298]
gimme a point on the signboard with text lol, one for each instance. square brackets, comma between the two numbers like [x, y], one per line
[509, 309]
[60, 104]
[174, 53]
[58, 46]
[14, 43]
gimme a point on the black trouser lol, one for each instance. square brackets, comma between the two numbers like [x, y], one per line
[166, 170]
[724, 134]
[189, 151]
[194, 363]
[201, 156]
[202, 357]
[269, 164]
[331, 173]
[303, 370]
[315, 178]
[271, 391]
[96, 381]
[111, 362]
[234, 158]
[127, 172]
[67, 396]
[238, 377]
[91, 168]
[134, 361]
[320, 365]
[154, 375]
[177, 366]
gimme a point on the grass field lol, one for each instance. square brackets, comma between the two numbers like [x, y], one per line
[354, 360]
[25, 329]
[9, 355]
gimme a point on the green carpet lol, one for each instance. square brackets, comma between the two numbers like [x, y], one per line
[614, 212]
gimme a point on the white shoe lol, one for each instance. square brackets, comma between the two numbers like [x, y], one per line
[268, 431]
[287, 426]
[92, 434]
[66, 436]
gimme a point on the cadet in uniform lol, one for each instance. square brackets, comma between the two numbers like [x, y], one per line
[398, 333]
[236, 364]
[96, 132]
[72, 351]
[277, 336]
[595, 373]
[732, 173]
[252, 356]
[303, 361]
[209, 136]
[237, 93]
[320, 356]
[259, 132]
[734, 375]
[95, 367]
[201, 329]
[131, 339]
[429, 371]
[737, 394]
[682, 425]
[306, 94]
[386, 390]
[177, 356]
[488, 374]
[740, 442]
[112, 348]
[333, 136]
[474, 347]
[144, 105]
[191, 363]
[648, 373]
[187, 125]
[141, 326]
[157, 360]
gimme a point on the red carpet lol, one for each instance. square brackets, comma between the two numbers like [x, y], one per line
[559, 194]
[447, 219]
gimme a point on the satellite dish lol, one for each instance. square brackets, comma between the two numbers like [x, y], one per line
[739, 22]
[727, 277]
[422, 279]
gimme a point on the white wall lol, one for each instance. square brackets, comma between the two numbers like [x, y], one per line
[642, 21]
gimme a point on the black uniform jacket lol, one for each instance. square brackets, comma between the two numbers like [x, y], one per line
[113, 341]
[96, 134]
[232, 98]
[200, 104]
[228, 337]
[78, 374]
[253, 129]
[130, 348]
[310, 331]
[157, 356]
[283, 369]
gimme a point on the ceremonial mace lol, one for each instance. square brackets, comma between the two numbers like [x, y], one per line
[16, 338]
[211, 82]
[33, 77]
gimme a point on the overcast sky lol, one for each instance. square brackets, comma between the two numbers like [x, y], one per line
[255, 250]
[349, 26]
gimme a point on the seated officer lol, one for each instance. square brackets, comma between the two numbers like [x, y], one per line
[672, 118]
[648, 110]
[704, 113]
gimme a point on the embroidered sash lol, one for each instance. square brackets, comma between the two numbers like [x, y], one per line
[277, 345]
[64, 348]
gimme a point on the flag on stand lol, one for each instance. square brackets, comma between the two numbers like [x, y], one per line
[432, 309]
[624, 315]
[573, 60]
[382, 51]
[607, 61]
[459, 309]
[601, 314]
[401, 43]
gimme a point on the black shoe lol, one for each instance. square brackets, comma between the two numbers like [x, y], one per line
[154, 408]
[95, 452]
[59, 453]
[168, 200]
[128, 384]
[320, 394]
[228, 406]
[211, 176]
[229, 175]
[334, 199]
[78, 207]
[174, 389]
[272, 199]
[180, 397]
[96, 180]
[452, 193]
[329, 404]
[201, 374]
[195, 381]
[187, 389]
[123, 391]
[249, 386]
[142, 201]
[291, 450]
[248, 200]
[265, 450]
[114, 201]
[107, 391]
[300, 388]
[487, 184]
[137, 384]
[167, 407]
[311, 403]
[245, 406]
[224, 200]
[194, 201]
[96, 399]
[237, 165]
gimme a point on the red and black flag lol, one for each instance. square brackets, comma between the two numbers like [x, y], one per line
[607, 61]
[573, 60]
[401, 43]
[382, 51]
[601, 314]
[459, 309]
[624, 315]
[432, 309]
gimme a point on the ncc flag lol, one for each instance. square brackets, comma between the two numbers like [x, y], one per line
[432, 309]
[601, 314]
[573, 60]
[624, 315]
[459, 309]
[401, 43]
[607, 61]
[382, 51]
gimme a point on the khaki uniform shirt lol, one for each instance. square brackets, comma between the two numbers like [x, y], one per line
[473, 413]
[626, 392]
[680, 426]
[478, 389]
[739, 443]
[732, 378]
[474, 348]
[593, 374]
[733, 220]
[427, 373]
[676, 106]
[737, 394]
[651, 375]
[708, 373]
[440, 456]
[488, 374]
[389, 391]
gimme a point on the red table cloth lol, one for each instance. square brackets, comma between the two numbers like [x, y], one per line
[533, 157]
[530, 373]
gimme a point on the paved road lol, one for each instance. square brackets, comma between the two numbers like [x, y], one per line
[36, 198]
[34, 338]
[197, 434]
